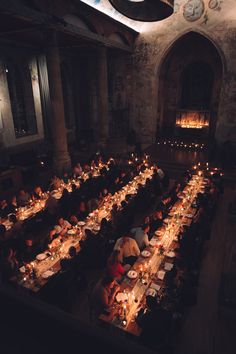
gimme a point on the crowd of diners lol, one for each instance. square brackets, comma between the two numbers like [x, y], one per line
[26, 238]
[118, 243]
[160, 318]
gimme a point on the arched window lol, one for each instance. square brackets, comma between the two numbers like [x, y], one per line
[21, 96]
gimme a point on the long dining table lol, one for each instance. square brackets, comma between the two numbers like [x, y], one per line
[37, 206]
[147, 275]
[37, 273]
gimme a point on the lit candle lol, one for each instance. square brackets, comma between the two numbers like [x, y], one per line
[124, 310]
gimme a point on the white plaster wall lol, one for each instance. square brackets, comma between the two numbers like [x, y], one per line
[152, 45]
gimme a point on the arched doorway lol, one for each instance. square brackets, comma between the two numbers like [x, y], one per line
[189, 88]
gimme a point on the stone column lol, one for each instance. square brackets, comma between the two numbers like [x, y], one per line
[61, 158]
[103, 118]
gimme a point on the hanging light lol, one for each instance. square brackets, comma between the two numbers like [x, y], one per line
[144, 10]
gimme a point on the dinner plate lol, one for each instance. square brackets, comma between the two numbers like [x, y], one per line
[121, 297]
[81, 223]
[189, 216]
[146, 254]
[41, 256]
[170, 254]
[132, 274]
[158, 232]
[151, 292]
[47, 274]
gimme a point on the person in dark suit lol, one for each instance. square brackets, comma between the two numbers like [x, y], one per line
[155, 322]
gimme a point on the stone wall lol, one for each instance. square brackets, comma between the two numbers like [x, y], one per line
[216, 21]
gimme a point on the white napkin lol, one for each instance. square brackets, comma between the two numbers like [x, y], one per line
[161, 274]
[22, 269]
[168, 266]
[155, 286]
[47, 274]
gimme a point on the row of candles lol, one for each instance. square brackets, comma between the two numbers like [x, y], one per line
[182, 144]
[171, 229]
[203, 168]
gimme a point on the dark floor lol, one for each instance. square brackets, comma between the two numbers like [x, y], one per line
[205, 331]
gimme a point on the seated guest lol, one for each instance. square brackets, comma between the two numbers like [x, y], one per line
[55, 183]
[52, 205]
[65, 203]
[3, 209]
[17, 224]
[155, 323]
[160, 173]
[77, 171]
[2, 231]
[128, 248]
[165, 205]
[9, 264]
[141, 235]
[65, 177]
[74, 220]
[12, 205]
[37, 193]
[54, 234]
[65, 226]
[23, 198]
[114, 266]
[82, 210]
[93, 204]
[104, 294]
[146, 220]
[157, 221]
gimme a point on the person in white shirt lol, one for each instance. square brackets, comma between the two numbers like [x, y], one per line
[141, 235]
[65, 226]
[160, 173]
[129, 250]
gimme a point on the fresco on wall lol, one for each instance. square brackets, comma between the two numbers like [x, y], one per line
[105, 7]
[193, 10]
[215, 4]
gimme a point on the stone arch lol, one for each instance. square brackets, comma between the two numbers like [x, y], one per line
[212, 54]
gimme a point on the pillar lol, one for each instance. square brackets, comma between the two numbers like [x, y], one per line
[103, 116]
[61, 158]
